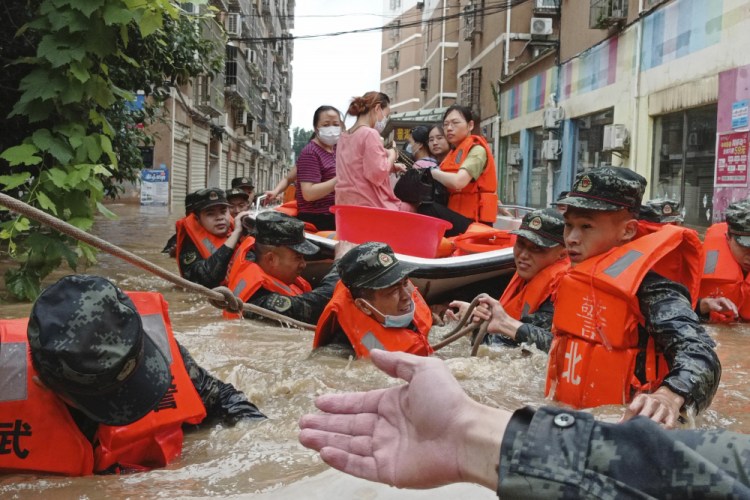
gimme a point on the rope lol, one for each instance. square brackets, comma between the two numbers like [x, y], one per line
[461, 331]
[219, 297]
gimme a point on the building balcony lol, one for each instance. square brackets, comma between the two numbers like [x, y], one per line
[237, 79]
[208, 94]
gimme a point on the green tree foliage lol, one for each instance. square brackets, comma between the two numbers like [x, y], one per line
[73, 67]
[300, 138]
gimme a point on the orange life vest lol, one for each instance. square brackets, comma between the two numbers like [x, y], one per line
[365, 333]
[246, 277]
[478, 199]
[205, 242]
[722, 274]
[156, 439]
[37, 432]
[42, 434]
[522, 298]
[597, 314]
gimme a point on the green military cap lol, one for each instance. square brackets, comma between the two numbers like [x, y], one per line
[279, 229]
[190, 200]
[542, 227]
[372, 265]
[205, 198]
[662, 211]
[240, 182]
[89, 345]
[234, 192]
[606, 189]
[738, 221]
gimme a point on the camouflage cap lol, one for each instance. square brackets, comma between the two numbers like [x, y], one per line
[738, 221]
[205, 198]
[661, 211]
[234, 192]
[372, 265]
[606, 189]
[88, 344]
[190, 200]
[279, 229]
[240, 182]
[542, 227]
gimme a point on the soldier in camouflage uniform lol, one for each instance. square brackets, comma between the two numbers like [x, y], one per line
[599, 215]
[539, 246]
[86, 325]
[212, 270]
[661, 211]
[442, 436]
[280, 249]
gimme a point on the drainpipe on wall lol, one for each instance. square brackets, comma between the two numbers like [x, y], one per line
[173, 96]
[637, 85]
[442, 55]
[506, 61]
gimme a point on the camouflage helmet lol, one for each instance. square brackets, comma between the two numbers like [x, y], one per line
[279, 229]
[242, 182]
[209, 197]
[88, 344]
[543, 227]
[606, 189]
[738, 222]
[662, 211]
[372, 265]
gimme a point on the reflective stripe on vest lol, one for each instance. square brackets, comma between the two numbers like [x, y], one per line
[13, 371]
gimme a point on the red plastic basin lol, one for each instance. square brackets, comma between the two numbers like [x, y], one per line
[407, 233]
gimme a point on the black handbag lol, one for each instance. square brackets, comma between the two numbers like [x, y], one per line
[414, 186]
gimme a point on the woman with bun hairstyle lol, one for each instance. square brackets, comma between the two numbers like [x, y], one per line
[363, 165]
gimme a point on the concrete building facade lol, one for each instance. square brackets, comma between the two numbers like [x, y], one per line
[236, 123]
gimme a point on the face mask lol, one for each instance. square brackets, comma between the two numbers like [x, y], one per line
[329, 135]
[400, 321]
[380, 125]
[409, 149]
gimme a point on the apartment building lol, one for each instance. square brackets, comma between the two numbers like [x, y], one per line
[235, 123]
[561, 86]
[401, 58]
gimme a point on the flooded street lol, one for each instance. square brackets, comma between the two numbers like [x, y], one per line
[275, 368]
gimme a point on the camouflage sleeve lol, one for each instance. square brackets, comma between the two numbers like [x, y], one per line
[208, 272]
[537, 327]
[222, 401]
[695, 369]
[557, 453]
[306, 307]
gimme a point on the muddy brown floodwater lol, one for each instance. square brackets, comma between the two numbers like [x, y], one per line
[274, 366]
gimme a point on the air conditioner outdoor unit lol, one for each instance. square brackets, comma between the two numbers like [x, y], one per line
[190, 8]
[234, 25]
[552, 118]
[541, 26]
[252, 56]
[273, 99]
[550, 150]
[514, 155]
[616, 138]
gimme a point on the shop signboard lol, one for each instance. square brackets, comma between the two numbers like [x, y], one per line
[731, 159]
[740, 114]
[154, 186]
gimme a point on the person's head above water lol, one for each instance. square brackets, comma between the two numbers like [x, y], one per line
[281, 246]
[539, 241]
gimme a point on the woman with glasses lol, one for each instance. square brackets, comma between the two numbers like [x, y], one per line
[469, 174]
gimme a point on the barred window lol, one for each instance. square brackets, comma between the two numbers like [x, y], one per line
[470, 87]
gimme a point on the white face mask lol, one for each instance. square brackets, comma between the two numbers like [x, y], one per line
[329, 135]
[380, 124]
[400, 321]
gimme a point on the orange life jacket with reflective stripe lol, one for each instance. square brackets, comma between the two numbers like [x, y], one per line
[246, 277]
[365, 333]
[46, 439]
[156, 439]
[722, 274]
[205, 242]
[522, 298]
[37, 432]
[478, 199]
[597, 314]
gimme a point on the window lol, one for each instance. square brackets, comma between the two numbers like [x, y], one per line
[590, 141]
[539, 178]
[393, 58]
[395, 4]
[684, 156]
[395, 30]
[513, 167]
[391, 90]
[473, 17]
[424, 79]
[470, 87]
